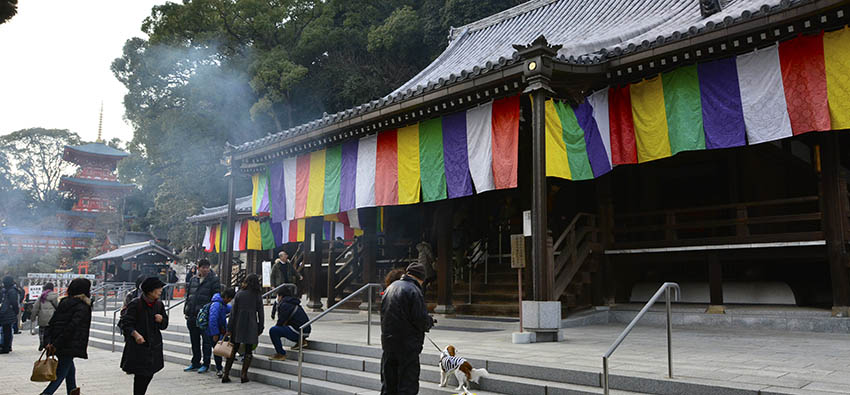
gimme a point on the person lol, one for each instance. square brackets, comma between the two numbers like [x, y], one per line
[134, 293]
[393, 276]
[172, 282]
[142, 326]
[404, 321]
[217, 325]
[245, 325]
[283, 272]
[9, 307]
[199, 292]
[43, 311]
[68, 334]
[191, 271]
[21, 297]
[290, 317]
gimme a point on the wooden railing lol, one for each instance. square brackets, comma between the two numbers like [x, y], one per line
[575, 245]
[351, 268]
[782, 220]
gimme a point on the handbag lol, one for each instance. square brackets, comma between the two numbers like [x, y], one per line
[224, 348]
[44, 369]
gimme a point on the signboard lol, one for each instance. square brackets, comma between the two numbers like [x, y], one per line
[34, 291]
[60, 276]
[267, 274]
[518, 258]
[526, 223]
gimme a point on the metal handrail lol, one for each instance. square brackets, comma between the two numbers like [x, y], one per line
[366, 287]
[665, 289]
[114, 324]
[267, 294]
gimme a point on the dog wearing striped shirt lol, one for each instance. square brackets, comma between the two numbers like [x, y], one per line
[462, 369]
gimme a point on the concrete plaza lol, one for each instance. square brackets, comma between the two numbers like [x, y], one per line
[101, 375]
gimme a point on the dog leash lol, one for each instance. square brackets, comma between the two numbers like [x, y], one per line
[432, 342]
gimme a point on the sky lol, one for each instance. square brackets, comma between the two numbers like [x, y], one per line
[55, 57]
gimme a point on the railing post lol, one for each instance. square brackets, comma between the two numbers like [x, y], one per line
[369, 319]
[300, 356]
[669, 336]
[605, 375]
[105, 295]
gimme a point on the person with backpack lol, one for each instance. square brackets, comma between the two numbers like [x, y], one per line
[134, 293]
[245, 325]
[290, 317]
[213, 320]
[43, 311]
[199, 292]
[68, 334]
[142, 325]
[9, 308]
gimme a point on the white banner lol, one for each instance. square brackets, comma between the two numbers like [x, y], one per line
[60, 276]
[267, 274]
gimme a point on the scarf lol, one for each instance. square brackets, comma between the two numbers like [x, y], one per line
[43, 297]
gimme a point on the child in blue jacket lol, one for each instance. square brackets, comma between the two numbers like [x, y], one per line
[219, 309]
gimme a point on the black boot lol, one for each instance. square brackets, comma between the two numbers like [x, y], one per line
[246, 364]
[225, 378]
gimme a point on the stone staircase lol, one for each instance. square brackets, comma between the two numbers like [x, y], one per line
[348, 369]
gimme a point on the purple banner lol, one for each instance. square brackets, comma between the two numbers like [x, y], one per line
[722, 113]
[277, 192]
[458, 178]
[596, 153]
[348, 176]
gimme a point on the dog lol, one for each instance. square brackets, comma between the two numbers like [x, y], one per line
[461, 367]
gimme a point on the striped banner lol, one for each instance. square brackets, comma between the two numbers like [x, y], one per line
[454, 156]
[798, 86]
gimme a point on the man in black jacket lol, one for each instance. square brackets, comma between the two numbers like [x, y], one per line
[9, 307]
[404, 321]
[200, 291]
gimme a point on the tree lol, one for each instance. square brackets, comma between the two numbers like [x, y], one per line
[8, 9]
[34, 161]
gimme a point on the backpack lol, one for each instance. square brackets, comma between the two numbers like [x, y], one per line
[204, 317]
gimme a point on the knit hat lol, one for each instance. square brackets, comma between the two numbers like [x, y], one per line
[79, 286]
[417, 270]
[151, 283]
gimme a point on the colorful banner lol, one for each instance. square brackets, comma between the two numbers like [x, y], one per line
[454, 156]
[206, 243]
[795, 87]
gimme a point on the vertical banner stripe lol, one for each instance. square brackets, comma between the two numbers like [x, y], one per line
[224, 241]
[316, 189]
[804, 80]
[289, 177]
[722, 114]
[277, 232]
[243, 235]
[264, 205]
[293, 230]
[302, 183]
[348, 176]
[255, 240]
[653, 141]
[573, 137]
[623, 142]
[557, 164]
[684, 109]
[217, 236]
[277, 191]
[267, 235]
[255, 193]
[599, 102]
[408, 164]
[458, 179]
[596, 151]
[333, 169]
[386, 169]
[205, 242]
[366, 171]
[432, 165]
[505, 142]
[326, 230]
[479, 121]
[762, 96]
[836, 51]
[300, 225]
[354, 219]
[236, 235]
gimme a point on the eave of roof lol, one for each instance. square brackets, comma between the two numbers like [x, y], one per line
[96, 183]
[97, 149]
[129, 251]
[14, 231]
[212, 214]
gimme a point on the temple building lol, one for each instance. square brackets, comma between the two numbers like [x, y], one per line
[700, 142]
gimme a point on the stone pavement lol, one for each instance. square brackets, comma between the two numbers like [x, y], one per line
[100, 374]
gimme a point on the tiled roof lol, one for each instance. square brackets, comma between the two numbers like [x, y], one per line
[243, 206]
[98, 149]
[129, 251]
[590, 31]
[13, 231]
[98, 183]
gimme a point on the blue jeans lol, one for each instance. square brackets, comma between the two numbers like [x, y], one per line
[276, 332]
[65, 371]
[209, 340]
[201, 344]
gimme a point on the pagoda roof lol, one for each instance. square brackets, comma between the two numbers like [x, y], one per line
[95, 183]
[15, 231]
[72, 213]
[591, 32]
[97, 149]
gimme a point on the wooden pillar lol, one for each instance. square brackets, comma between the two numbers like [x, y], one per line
[715, 285]
[313, 252]
[331, 290]
[368, 220]
[443, 221]
[832, 204]
[537, 58]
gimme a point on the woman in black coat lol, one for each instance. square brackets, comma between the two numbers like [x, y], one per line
[142, 325]
[67, 334]
[245, 325]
